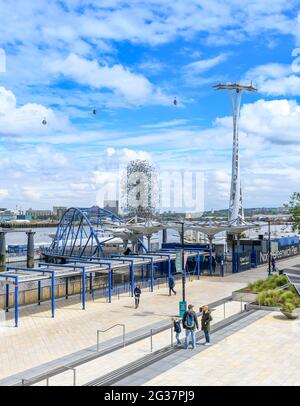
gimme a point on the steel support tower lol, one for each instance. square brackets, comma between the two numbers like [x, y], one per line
[236, 212]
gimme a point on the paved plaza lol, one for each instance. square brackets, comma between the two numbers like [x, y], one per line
[40, 339]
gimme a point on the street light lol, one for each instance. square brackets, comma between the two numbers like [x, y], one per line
[182, 262]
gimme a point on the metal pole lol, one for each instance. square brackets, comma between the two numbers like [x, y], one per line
[17, 302]
[109, 286]
[172, 335]
[124, 335]
[224, 311]
[97, 340]
[132, 278]
[7, 298]
[269, 247]
[210, 256]
[152, 274]
[52, 293]
[183, 267]
[67, 287]
[83, 289]
[39, 293]
[91, 283]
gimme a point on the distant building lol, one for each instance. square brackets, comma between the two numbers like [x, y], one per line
[39, 214]
[23, 217]
[112, 205]
[7, 215]
[58, 211]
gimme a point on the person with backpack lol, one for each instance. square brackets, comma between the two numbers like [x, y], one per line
[205, 323]
[137, 294]
[190, 323]
[177, 329]
[171, 285]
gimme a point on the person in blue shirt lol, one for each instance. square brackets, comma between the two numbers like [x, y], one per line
[171, 285]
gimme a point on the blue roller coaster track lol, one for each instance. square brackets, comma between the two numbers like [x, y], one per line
[81, 233]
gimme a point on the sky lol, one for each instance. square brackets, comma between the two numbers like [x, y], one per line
[128, 59]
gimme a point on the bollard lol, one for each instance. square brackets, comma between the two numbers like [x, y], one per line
[2, 249]
[224, 311]
[30, 249]
[172, 335]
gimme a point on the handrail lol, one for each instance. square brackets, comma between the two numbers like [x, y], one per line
[27, 382]
[109, 328]
[158, 330]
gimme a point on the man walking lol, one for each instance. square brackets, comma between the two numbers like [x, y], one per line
[205, 323]
[137, 294]
[171, 285]
[190, 323]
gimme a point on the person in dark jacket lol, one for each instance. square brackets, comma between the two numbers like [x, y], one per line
[273, 264]
[190, 323]
[205, 323]
[177, 329]
[171, 282]
[137, 294]
[127, 251]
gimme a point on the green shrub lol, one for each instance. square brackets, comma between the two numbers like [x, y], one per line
[272, 282]
[288, 307]
[287, 296]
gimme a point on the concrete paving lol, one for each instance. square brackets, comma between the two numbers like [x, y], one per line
[41, 339]
[262, 351]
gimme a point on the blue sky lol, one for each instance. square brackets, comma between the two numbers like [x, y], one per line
[129, 60]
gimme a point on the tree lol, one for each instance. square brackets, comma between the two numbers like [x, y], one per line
[294, 209]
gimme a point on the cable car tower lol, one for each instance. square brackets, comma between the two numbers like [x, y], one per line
[236, 212]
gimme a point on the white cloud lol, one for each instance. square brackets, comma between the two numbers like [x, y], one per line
[275, 79]
[134, 88]
[28, 118]
[205, 64]
[3, 193]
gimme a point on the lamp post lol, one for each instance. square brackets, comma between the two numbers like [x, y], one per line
[182, 303]
[182, 262]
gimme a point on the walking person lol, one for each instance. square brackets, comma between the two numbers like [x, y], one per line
[190, 323]
[273, 264]
[137, 294]
[171, 282]
[205, 323]
[177, 329]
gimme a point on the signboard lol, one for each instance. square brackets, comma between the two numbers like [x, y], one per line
[178, 262]
[282, 252]
[182, 308]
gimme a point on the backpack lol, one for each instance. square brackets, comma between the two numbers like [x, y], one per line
[190, 320]
[177, 327]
